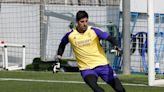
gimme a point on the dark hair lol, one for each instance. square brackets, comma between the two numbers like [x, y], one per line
[81, 14]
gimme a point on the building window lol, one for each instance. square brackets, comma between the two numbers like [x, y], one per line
[134, 16]
[162, 18]
[159, 18]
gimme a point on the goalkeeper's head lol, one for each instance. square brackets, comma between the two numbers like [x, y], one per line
[81, 14]
[82, 21]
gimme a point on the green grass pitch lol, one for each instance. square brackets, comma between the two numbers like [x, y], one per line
[31, 81]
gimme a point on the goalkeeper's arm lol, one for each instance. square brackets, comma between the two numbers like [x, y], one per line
[112, 40]
[56, 65]
[63, 43]
[61, 49]
[115, 49]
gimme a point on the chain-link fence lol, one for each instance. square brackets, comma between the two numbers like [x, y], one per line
[40, 24]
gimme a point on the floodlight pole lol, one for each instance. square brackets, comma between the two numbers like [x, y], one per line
[126, 36]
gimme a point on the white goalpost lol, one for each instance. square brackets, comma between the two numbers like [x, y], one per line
[152, 75]
[13, 56]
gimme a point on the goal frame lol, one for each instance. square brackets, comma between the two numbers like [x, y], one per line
[5, 62]
[152, 81]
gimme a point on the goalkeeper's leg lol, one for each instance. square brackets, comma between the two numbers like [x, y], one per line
[91, 80]
[109, 76]
[116, 85]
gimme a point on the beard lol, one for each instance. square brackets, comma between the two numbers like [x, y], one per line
[84, 28]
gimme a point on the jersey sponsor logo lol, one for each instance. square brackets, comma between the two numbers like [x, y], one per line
[83, 42]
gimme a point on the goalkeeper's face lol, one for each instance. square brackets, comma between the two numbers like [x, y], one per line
[82, 24]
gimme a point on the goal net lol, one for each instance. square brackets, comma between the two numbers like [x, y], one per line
[59, 18]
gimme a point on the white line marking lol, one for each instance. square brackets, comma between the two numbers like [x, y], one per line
[57, 81]
[33, 80]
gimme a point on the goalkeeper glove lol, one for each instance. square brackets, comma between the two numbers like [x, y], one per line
[117, 51]
[56, 65]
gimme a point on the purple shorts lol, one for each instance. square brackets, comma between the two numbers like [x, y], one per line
[104, 71]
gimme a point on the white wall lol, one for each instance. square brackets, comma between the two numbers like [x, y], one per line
[141, 6]
[20, 24]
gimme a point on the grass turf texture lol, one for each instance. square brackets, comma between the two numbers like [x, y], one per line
[32, 86]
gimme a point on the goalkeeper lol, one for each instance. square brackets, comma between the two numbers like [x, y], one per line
[91, 59]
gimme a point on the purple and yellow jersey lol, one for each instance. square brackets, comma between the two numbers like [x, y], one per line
[87, 48]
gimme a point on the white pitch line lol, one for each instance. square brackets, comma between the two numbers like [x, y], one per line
[57, 81]
[33, 80]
